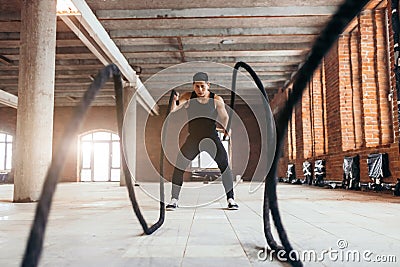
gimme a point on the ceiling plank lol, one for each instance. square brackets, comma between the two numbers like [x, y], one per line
[217, 12]
[163, 4]
[218, 22]
[214, 32]
[250, 60]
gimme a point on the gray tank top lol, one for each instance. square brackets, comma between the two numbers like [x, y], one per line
[202, 117]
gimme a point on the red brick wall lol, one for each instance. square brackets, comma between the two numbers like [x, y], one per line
[347, 104]
[355, 70]
[331, 69]
[318, 114]
[346, 93]
[369, 90]
[298, 125]
[382, 77]
[276, 104]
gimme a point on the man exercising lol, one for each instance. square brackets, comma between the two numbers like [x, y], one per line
[203, 107]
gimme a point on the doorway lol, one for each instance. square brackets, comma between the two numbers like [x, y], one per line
[100, 157]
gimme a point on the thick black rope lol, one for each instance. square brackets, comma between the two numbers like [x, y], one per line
[35, 241]
[128, 177]
[346, 12]
[267, 226]
[266, 205]
[36, 237]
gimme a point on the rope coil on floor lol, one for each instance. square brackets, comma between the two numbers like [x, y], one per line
[347, 11]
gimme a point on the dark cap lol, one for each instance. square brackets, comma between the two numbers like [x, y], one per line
[200, 77]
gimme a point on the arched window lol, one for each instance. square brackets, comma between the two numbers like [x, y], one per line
[99, 157]
[6, 142]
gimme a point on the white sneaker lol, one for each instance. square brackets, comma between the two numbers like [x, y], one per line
[232, 205]
[172, 205]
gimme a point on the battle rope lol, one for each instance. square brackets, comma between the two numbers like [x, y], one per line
[344, 15]
[35, 242]
[346, 12]
[266, 207]
[128, 178]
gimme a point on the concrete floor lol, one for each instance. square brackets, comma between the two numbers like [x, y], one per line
[92, 224]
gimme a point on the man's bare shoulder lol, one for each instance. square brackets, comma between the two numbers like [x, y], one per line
[186, 95]
[218, 98]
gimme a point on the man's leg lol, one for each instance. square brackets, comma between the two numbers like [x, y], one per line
[189, 150]
[221, 158]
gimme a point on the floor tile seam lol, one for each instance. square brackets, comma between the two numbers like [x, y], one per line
[190, 231]
[236, 234]
[251, 209]
[378, 233]
[309, 223]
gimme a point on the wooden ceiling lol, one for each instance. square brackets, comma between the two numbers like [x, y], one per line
[272, 36]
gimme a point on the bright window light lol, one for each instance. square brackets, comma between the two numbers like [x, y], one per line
[66, 7]
[99, 157]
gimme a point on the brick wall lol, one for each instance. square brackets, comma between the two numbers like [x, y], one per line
[345, 110]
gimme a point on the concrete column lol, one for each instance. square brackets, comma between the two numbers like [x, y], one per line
[129, 132]
[34, 135]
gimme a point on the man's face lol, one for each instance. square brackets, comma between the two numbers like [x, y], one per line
[201, 88]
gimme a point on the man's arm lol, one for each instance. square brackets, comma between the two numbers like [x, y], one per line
[222, 113]
[179, 101]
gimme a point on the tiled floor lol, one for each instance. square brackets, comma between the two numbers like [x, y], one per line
[93, 224]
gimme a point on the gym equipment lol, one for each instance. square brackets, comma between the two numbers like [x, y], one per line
[290, 173]
[378, 168]
[396, 189]
[351, 173]
[307, 171]
[319, 172]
